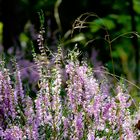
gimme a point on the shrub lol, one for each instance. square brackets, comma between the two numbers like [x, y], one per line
[71, 102]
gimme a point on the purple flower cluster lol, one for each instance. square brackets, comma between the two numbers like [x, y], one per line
[81, 108]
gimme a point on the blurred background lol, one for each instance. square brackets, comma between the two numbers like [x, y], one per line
[107, 32]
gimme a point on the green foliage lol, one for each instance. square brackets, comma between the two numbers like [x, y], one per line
[41, 17]
[97, 24]
[41, 4]
[136, 6]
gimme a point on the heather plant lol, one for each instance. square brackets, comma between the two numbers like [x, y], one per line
[71, 103]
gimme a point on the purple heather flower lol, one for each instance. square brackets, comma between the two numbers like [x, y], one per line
[66, 126]
[79, 125]
[105, 110]
[35, 133]
[13, 133]
[91, 137]
[28, 132]
[123, 98]
[1, 132]
[128, 132]
[95, 109]
[38, 105]
[6, 95]
[104, 89]
[71, 96]
[29, 112]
